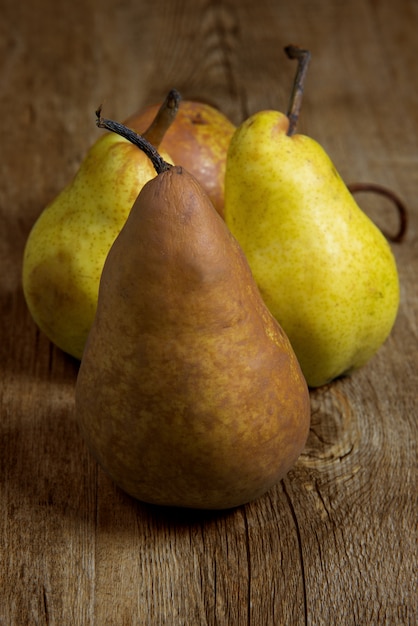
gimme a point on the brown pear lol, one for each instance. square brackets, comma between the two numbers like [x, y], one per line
[189, 393]
[198, 139]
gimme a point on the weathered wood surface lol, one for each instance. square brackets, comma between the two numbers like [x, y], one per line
[335, 542]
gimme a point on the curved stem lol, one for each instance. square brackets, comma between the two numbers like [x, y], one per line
[388, 193]
[295, 103]
[164, 118]
[152, 153]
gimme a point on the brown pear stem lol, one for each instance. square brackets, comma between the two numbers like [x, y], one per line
[165, 117]
[152, 153]
[295, 103]
[391, 195]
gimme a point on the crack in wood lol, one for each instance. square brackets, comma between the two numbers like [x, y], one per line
[300, 545]
[249, 582]
[45, 604]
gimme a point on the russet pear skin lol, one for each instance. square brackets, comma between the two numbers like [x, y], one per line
[68, 244]
[189, 393]
[324, 269]
[198, 140]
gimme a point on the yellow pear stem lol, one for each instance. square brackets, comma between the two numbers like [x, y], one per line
[138, 140]
[303, 58]
[164, 118]
[391, 195]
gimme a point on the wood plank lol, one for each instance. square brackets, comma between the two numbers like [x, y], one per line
[335, 542]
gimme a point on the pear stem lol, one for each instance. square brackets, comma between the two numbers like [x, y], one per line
[164, 118]
[158, 162]
[303, 58]
[391, 195]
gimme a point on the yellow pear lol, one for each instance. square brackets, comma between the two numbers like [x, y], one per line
[324, 269]
[189, 393]
[68, 244]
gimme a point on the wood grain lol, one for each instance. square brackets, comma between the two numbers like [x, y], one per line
[333, 543]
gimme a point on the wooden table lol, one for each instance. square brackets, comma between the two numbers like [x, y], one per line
[335, 541]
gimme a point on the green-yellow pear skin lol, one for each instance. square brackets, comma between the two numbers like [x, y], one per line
[67, 246]
[325, 271]
[189, 393]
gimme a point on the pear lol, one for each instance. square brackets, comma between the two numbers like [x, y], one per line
[325, 271]
[189, 393]
[198, 139]
[67, 246]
